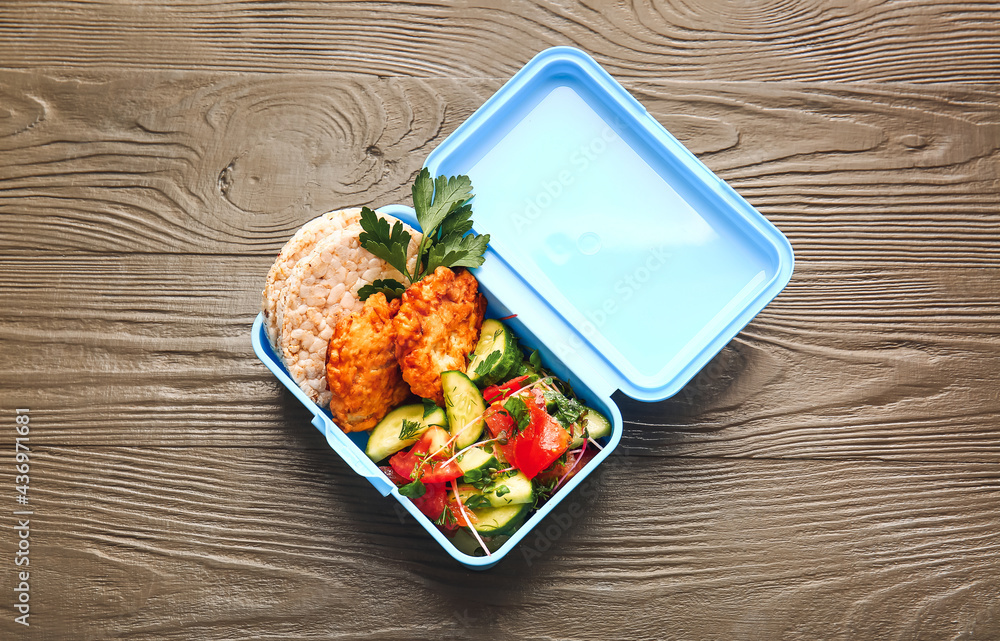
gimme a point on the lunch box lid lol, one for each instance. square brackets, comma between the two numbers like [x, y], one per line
[637, 263]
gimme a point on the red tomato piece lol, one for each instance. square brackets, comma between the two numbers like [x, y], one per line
[493, 393]
[513, 385]
[434, 500]
[498, 422]
[440, 472]
[463, 516]
[543, 441]
[394, 476]
[414, 463]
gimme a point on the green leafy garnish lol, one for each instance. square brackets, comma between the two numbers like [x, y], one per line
[410, 430]
[518, 411]
[480, 478]
[476, 501]
[413, 490]
[389, 245]
[445, 216]
[543, 491]
[429, 406]
[488, 363]
[501, 490]
[446, 519]
[391, 288]
[568, 410]
[535, 360]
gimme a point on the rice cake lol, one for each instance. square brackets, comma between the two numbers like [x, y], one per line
[320, 290]
[298, 247]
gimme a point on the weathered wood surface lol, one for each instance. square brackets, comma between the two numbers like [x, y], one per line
[802, 40]
[833, 474]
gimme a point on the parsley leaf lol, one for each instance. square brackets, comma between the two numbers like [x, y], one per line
[464, 251]
[434, 200]
[413, 490]
[488, 363]
[429, 406]
[389, 245]
[568, 410]
[391, 288]
[518, 411]
[445, 216]
[457, 224]
[410, 430]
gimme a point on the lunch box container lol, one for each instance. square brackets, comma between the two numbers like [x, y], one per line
[627, 262]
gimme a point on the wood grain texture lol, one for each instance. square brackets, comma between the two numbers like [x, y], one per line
[152, 351]
[833, 474]
[867, 353]
[234, 164]
[179, 543]
[720, 40]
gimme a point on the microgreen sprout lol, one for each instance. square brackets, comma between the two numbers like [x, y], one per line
[461, 508]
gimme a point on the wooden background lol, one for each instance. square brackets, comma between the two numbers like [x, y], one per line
[833, 474]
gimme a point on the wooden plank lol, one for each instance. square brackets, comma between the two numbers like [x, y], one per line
[903, 41]
[237, 543]
[155, 350]
[196, 163]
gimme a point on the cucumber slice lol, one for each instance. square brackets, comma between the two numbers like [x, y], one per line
[477, 459]
[513, 490]
[485, 368]
[494, 521]
[594, 424]
[385, 440]
[597, 424]
[464, 406]
[468, 544]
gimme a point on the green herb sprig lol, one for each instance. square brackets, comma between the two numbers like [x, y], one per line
[409, 430]
[445, 216]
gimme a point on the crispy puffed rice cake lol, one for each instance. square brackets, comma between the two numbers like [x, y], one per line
[320, 290]
[298, 247]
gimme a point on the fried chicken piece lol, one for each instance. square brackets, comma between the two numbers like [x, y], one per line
[361, 369]
[437, 326]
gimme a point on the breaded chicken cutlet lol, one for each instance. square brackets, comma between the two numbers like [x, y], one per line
[361, 368]
[437, 326]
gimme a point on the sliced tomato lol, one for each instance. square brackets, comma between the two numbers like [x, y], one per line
[440, 472]
[498, 422]
[462, 516]
[543, 441]
[414, 464]
[493, 393]
[394, 476]
[535, 447]
[434, 500]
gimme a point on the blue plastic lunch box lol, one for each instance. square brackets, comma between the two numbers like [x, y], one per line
[627, 262]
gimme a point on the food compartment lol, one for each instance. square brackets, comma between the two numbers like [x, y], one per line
[510, 296]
